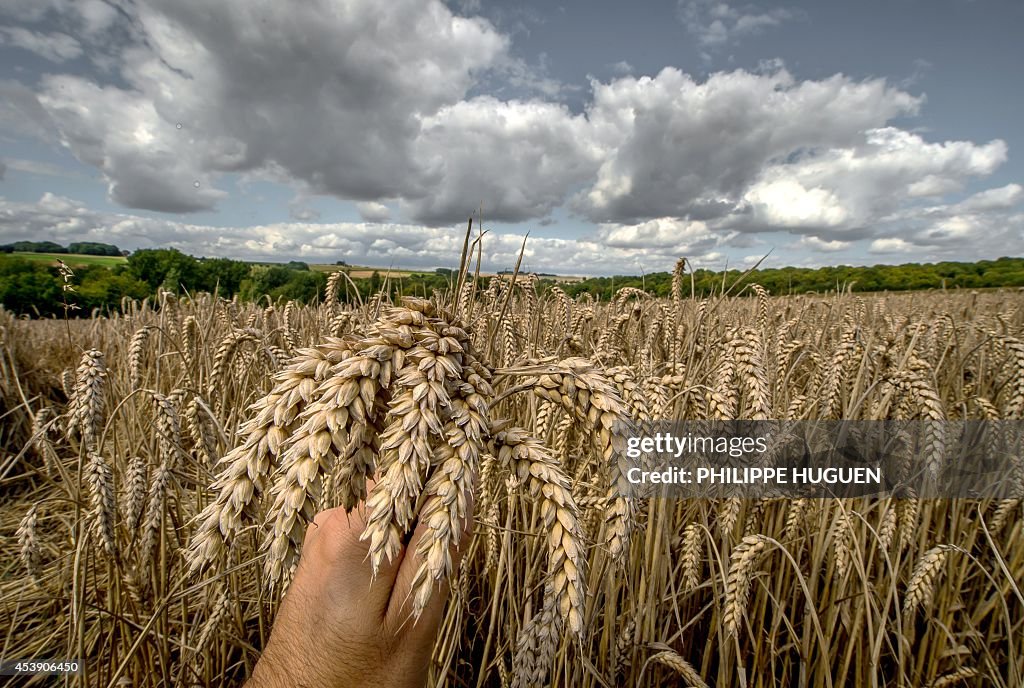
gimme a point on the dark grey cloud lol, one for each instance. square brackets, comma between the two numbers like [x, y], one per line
[54, 46]
[21, 113]
[333, 98]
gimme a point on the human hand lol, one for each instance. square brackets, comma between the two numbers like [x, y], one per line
[335, 628]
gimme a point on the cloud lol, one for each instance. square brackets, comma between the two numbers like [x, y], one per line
[62, 219]
[821, 246]
[55, 46]
[1002, 198]
[669, 236]
[21, 113]
[787, 203]
[30, 10]
[520, 159]
[863, 183]
[715, 23]
[146, 160]
[371, 211]
[678, 147]
[892, 245]
[303, 213]
[335, 99]
[612, 249]
[404, 109]
[38, 167]
[621, 68]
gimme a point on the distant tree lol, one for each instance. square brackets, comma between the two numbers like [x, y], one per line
[168, 268]
[263, 280]
[92, 248]
[301, 286]
[6, 248]
[100, 287]
[38, 247]
[297, 265]
[221, 274]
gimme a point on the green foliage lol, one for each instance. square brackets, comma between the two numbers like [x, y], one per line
[88, 248]
[224, 274]
[36, 247]
[93, 248]
[302, 285]
[1004, 272]
[29, 283]
[168, 268]
[99, 287]
[29, 288]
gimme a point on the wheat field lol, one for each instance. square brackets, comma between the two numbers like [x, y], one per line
[158, 469]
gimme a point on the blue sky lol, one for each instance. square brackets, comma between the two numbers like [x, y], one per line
[620, 135]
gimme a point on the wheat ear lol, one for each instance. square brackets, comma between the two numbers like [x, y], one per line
[737, 587]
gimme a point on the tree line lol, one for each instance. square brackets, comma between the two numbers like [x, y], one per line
[82, 248]
[1003, 272]
[36, 288]
[30, 287]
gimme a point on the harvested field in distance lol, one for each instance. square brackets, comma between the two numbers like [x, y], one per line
[73, 259]
[138, 504]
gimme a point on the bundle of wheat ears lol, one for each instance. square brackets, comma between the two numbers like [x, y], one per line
[408, 405]
[159, 467]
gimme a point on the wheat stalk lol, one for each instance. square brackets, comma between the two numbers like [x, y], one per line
[921, 587]
[28, 544]
[533, 465]
[672, 660]
[89, 395]
[954, 677]
[136, 350]
[99, 479]
[737, 587]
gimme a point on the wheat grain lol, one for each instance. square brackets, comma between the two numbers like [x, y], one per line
[737, 587]
[28, 544]
[136, 480]
[921, 587]
[136, 350]
[528, 460]
[690, 556]
[685, 670]
[954, 677]
[89, 395]
[100, 480]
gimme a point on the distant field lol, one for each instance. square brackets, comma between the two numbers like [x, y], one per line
[73, 259]
[364, 272]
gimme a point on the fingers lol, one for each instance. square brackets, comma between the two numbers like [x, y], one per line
[332, 545]
[400, 605]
